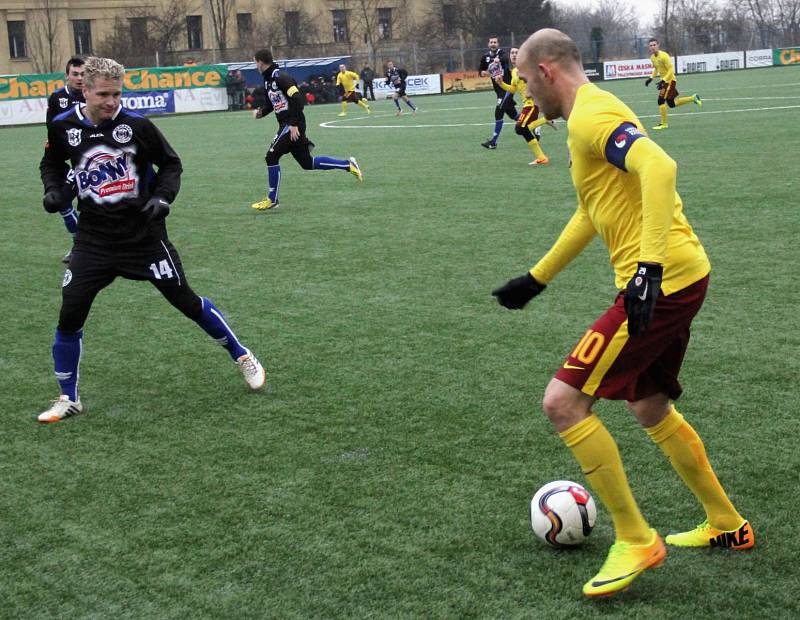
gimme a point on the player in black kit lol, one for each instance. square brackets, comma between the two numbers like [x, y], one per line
[59, 101]
[121, 231]
[494, 63]
[396, 78]
[285, 99]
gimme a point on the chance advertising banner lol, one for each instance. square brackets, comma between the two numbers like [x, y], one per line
[459, 81]
[758, 58]
[700, 63]
[35, 86]
[415, 85]
[786, 56]
[619, 69]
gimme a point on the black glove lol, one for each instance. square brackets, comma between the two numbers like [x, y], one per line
[54, 201]
[156, 209]
[647, 81]
[517, 292]
[641, 295]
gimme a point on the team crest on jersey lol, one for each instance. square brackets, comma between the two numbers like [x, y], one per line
[63, 102]
[67, 278]
[122, 133]
[107, 175]
[74, 136]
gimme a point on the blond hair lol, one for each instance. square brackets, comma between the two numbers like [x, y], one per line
[108, 68]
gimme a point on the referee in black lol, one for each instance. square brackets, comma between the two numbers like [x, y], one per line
[123, 201]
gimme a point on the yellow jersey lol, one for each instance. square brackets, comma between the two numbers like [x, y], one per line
[347, 79]
[518, 86]
[626, 193]
[662, 66]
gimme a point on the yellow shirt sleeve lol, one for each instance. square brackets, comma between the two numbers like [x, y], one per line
[657, 173]
[576, 235]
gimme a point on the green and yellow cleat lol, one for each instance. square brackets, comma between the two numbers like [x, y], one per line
[697, 101]
[661, 126]
[625, 562]
[704, 535]
[355, 170]
[265, 204]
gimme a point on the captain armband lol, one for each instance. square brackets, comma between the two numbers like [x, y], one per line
[620, 142]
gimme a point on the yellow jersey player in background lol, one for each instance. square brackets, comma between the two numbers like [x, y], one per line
[348, 80]
[667, 86]
[528, 121]
[633, 352]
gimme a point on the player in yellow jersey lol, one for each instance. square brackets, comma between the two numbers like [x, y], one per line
[347, 80]
[528, 121]
[633, 352]
[667, 86]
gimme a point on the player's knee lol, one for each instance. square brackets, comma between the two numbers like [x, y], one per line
[305, 160]
[661, 101]
[71, 319]
[519, 129]
[272, 158]
[498, 113]
[186, 300]
[564, 405]
[671, 102]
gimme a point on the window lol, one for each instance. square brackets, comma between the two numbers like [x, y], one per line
[244, 28]
[340, 32]
[82, 30]
[384, 23]
[138, 30]
[194, 32]
[449, 17]
[292, 24]
[16, 40]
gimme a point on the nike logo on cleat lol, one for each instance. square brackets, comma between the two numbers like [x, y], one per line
[731, 539]
[597, 584]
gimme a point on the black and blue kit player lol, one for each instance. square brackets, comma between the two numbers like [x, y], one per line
[285, 99]
[59, 101]
[495, 63]
[127, 174]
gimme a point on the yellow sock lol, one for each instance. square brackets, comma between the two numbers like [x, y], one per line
[363, 103]
[685, 450]
[344, 106]
[537, 123]
[684, 100]
[597, 453]
[537, 149]
[663, 110]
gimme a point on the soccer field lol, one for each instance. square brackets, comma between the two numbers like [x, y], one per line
[386, 470]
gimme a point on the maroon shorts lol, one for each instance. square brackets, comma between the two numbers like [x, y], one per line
[527, 115]
[669, 90]
[353, 96]
[607, 363]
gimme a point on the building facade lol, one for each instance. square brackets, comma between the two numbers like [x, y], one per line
[38, 36]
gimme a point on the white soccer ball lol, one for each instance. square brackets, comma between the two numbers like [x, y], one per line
[563, 513]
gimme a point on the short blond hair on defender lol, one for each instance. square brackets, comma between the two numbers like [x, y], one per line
[108, 68]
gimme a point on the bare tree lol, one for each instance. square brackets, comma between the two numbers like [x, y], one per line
[45, 19]
[220, 14]
[607, 30]
[365, 21]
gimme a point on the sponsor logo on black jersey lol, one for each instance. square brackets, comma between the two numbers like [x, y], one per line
[107, 174]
